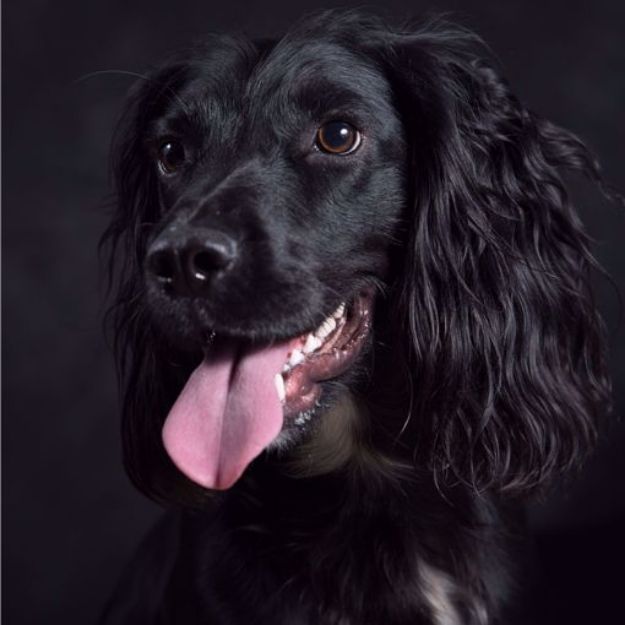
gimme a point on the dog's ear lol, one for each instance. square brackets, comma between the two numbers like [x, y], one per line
[148, 378]
[503, 339]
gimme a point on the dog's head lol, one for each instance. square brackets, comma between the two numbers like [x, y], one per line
[349, 210]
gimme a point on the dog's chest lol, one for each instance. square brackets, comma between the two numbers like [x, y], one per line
[358, 573]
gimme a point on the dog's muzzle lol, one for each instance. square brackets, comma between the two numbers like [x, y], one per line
[245, 391]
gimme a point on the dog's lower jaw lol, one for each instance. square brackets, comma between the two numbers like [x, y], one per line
[332, 438]
[337, 440]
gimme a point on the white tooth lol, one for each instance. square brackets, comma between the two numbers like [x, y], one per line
[339, 312]
[279, 382]
[321, 333]
[326, 328]
[312, 343]
[295, 358]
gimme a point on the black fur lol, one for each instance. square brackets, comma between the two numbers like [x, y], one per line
[484, 376]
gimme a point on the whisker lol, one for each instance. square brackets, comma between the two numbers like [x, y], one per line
[131, 74]
[111, 72]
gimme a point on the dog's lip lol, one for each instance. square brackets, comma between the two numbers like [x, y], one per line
[333, 358]
[211, 335]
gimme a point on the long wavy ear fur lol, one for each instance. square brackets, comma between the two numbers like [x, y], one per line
[494, 304]
[148, 376]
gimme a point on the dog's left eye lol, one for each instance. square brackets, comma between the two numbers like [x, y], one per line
[171, 156]
[338, 137]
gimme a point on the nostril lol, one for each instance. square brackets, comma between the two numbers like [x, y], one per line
[203, 264]
[162, 264]
[206, 261]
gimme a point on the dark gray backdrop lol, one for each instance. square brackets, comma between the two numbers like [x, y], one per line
[70, 517]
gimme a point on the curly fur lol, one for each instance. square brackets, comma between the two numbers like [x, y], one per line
[485, 376]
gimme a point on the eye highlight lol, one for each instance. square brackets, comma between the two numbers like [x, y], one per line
[338, 137]
[171, 156]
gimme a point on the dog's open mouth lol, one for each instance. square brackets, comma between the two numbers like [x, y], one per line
[236, 403]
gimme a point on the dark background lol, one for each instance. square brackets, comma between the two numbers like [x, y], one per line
[70, 517]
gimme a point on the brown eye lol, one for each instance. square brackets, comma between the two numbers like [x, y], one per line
[171, 156]
[338, 138]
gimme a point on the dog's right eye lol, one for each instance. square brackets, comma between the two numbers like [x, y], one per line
[338, 138]
[171, 156]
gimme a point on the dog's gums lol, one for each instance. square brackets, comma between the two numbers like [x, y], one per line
[322, 355]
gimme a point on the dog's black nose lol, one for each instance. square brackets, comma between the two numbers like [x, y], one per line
[186, 261]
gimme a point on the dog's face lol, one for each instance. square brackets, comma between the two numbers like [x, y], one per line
[282, 173]
[274, 198]
[281, 187]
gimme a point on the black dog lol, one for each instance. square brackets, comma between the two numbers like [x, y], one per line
[353, 297]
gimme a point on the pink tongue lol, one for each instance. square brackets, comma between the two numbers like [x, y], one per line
[227, 413]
